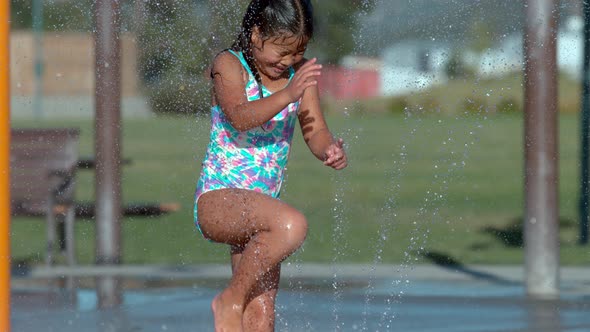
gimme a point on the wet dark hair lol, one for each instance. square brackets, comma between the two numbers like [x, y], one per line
[274, 18]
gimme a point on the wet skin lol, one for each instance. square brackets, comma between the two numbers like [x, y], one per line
[261, 230]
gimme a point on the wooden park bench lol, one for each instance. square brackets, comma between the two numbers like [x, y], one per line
[43, 164]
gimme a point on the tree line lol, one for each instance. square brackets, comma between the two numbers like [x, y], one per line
[177, 38]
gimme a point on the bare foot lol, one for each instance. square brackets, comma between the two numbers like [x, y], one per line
[227, 314]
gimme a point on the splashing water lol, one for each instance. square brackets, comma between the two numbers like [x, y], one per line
[340, 223]
[433, 200]
[387, 213]
[340, 208]
[445, 169]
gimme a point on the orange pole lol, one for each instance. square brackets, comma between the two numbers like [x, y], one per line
[4, 166]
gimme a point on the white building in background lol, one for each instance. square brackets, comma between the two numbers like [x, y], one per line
[508, 55]
[413, 65]
[570, 47]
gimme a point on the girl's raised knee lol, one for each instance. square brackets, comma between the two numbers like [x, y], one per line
[295, 228]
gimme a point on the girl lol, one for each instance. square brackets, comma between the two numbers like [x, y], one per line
[260, 87]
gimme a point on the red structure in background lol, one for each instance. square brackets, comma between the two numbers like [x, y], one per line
[345, 83]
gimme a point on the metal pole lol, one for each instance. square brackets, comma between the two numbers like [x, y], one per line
[585, 123]
[5, 166]
[541, 231]
[140, 16]
[107, 147]
[38, 61]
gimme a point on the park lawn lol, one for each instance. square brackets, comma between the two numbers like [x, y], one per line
[419, 188]
[471, 94]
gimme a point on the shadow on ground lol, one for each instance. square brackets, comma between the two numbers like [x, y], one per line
[511, 235]
[448, 262]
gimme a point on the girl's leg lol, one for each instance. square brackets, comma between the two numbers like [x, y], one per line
[259, 315]
[269, 230]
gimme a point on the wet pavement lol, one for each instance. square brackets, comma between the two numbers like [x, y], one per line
[312, 298]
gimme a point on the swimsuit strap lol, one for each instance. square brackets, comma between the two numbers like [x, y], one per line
[240, 57]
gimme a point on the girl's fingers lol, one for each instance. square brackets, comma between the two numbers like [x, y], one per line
[337, 164]
[308, 63]
[335, 160]
[308, 76]
[307, 84]
[305, 79]
[330, 158]
[335, 155]
[306, 69]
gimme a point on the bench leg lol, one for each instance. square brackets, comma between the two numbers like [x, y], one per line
[51, 233]
[71, 281]
[67, 246]
[70, 245]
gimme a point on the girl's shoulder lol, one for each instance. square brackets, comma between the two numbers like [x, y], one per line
[227, 64]
[225, 60]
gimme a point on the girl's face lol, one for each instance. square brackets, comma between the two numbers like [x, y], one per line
[275, 55]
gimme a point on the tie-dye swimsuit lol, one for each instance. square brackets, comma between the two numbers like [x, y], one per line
[254, 159]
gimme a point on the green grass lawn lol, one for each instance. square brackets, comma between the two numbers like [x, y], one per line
[418, 188]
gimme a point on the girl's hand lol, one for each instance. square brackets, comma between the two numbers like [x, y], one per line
[303, 79]
[336, 156]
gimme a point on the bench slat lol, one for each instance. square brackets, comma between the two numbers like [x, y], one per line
[42, 162]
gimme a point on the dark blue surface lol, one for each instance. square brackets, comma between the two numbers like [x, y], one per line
[309, 306]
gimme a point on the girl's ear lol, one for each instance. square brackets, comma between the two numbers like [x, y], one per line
[256, 37]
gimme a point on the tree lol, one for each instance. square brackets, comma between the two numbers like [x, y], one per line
[226, 19]
[174, 56]
[336, 24]
[480, 35]
[57, 15]
[179, 38]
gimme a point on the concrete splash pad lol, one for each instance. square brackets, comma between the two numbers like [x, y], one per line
[318, 304]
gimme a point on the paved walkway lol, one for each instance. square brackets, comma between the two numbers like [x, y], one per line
[313, 297]
[72, 107]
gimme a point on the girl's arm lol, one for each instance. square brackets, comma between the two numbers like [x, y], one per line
[316, 133]
[229, 85]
